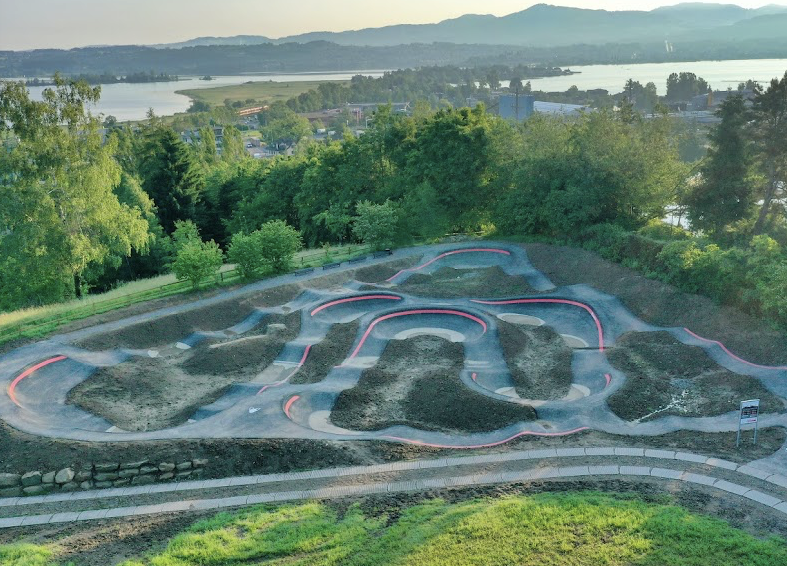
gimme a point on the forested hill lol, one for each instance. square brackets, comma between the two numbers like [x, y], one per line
[324, 56]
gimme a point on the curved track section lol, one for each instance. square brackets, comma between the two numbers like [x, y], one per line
[37, 378]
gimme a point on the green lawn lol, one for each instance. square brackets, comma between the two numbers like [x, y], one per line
[267, 91]
[579, 529]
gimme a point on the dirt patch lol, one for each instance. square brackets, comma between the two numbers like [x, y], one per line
[539, 360]
[379, 273]
[172, 328]
[425, 394]
[662, 304]
[451, 283]
[173, 388]
[665, 377]
[332, 351]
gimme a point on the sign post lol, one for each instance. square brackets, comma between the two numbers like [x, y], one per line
[750, 412]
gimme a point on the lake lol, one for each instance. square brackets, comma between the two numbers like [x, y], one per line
[131, 101]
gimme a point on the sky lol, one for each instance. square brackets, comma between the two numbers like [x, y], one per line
[32, 24]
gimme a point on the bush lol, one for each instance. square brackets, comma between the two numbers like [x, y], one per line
[246, 253]
[376, 223]
[278, 243]
[608, 240]
[660, 230]
[197, 260]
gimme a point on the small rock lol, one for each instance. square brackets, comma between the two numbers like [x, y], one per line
[166, 467]
[37, 489]
[148, 469]
[128, 473]
[108, 476]
[181, 475]
[11, 492]
[107, 467]
[183, 466]
[65, 475]
[31, 478]
[103, 484]
[121, 483]
[143, 480]
[199, 463]
[86, 485]
[166, 476]
[132, 465]
[48, 477]
[70, 486]
[83, 476]
[13, 480]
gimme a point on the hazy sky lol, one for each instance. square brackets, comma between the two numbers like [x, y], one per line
[27, 24]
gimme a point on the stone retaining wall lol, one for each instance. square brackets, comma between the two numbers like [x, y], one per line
[98, 476]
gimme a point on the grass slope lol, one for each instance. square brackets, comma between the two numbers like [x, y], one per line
[575, 529]
[267, 91]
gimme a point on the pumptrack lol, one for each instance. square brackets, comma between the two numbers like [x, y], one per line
[37, 378]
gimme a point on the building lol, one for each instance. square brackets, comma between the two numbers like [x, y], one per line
[517, 106]
[712, 100]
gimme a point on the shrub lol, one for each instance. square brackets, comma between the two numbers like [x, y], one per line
[608, 240]
[376, 223]
[197, 260]
[246, 253]
[278, 243]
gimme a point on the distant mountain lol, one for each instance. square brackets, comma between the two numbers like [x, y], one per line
[543, 25]
[201, 41]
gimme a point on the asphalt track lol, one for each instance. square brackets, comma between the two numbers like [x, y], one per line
[36, 378]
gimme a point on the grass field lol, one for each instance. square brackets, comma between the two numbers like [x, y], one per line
[267, 91]
[572, 529]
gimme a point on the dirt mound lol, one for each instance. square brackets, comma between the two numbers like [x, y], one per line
[172, 328]
[248, 354]
[416, 382]
[331, 352]
[451, 283]
[665, 377]
[155, 393]
[379, 273]
[539, 360]
[662, 304]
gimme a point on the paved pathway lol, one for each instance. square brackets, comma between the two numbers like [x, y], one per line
[770, 489]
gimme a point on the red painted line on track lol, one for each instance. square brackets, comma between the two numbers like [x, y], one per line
[27, 373]
[289, 404]
[353, 299]
[723, 347]
[491, 444]
[608, 378]
[441, 256]
[559, 301]
[407, 313]
[283, 381]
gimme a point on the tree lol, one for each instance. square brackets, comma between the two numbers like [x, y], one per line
[770, 125]
[196, 260]
[232, 148]
[376, 223]
[171, 177]
[247, 254]
[684, 86]
[288, 129]
[725, 193]
[59, 214]
[515, 84]
[198, 106]
[279, 243]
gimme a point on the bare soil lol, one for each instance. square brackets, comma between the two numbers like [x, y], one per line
[662, 304]
[665, 377]
[380, 272]
[155, 393]
[451, 283]
[427, 394]
[172, 328]
[539, 360]
[332, 351]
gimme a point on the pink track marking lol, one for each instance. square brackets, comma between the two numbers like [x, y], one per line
[353, 299]
[283, 381]
[560, 301]
[407, 313]
[441, 256]
[289, 404]
[608, 378]
[27, 373]
[723, 347]
[491, 444]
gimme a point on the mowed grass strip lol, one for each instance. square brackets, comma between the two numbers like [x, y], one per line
[571, 529]
[267, 91]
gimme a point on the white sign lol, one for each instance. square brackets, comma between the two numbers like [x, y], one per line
[750, 411]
